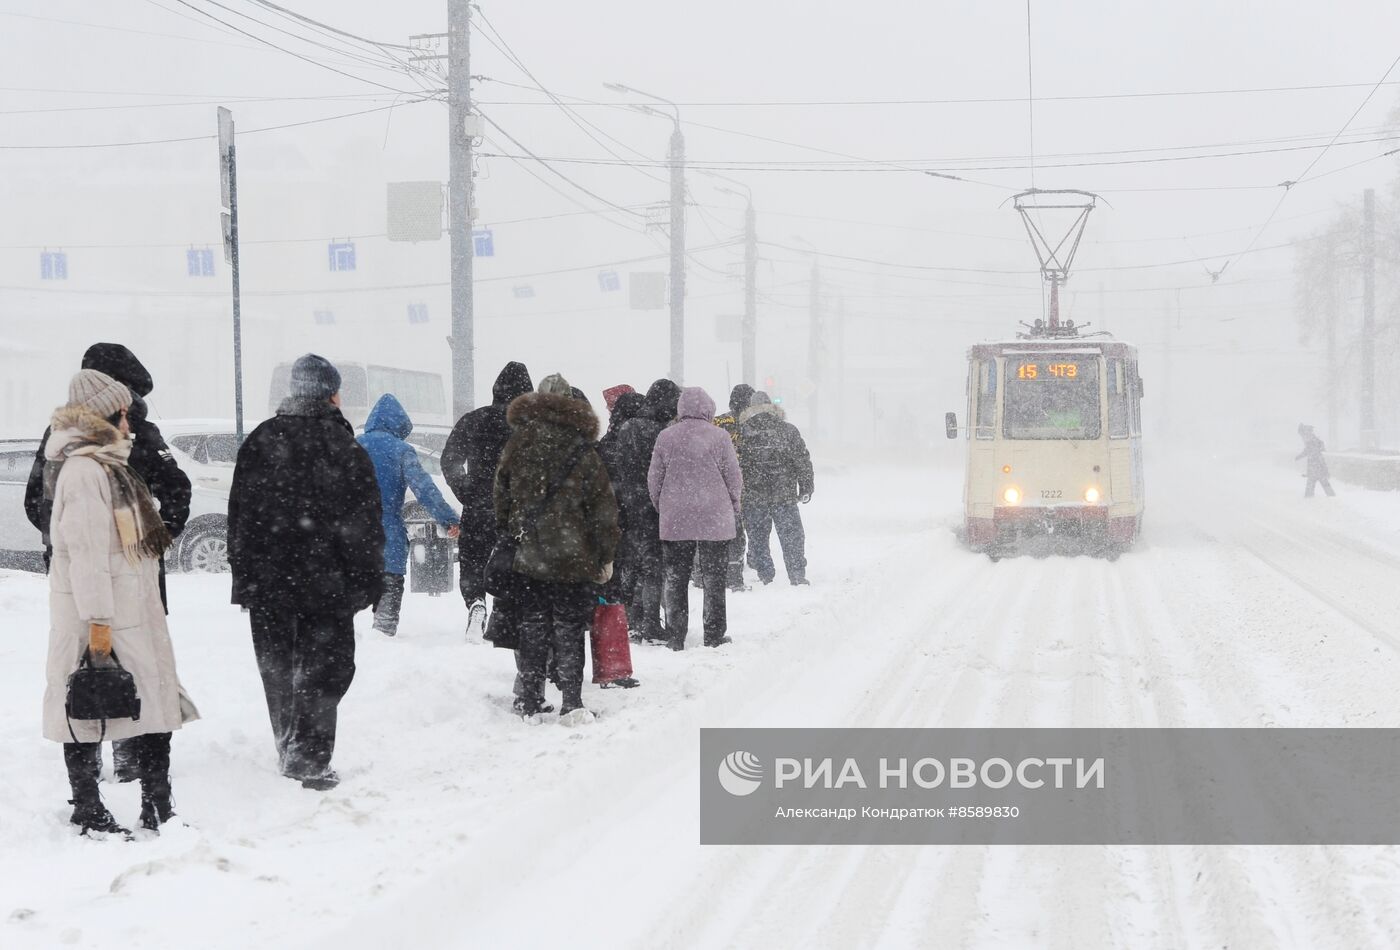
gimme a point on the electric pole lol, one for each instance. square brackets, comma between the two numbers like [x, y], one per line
[814, 346]
[461, 197]
[1368, 320]
[677, 252]
[228, 174]
[750, 330]
[1332, 380]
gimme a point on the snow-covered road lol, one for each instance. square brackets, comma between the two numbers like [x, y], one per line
[459, 826]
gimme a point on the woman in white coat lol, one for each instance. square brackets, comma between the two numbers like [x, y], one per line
[104, 597]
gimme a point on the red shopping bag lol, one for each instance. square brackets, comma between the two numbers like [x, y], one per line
[612, 652]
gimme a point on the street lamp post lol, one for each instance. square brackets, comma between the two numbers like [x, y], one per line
[749, 335]
[677, 166]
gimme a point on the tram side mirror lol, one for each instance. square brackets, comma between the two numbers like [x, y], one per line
[950, 423]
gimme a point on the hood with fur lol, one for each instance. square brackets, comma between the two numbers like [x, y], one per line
[549, 409]
[77, 424]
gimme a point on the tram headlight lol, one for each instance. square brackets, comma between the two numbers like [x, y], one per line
[1012, 495]
[1091, 495]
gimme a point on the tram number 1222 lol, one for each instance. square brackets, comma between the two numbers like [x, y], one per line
[1052, 371]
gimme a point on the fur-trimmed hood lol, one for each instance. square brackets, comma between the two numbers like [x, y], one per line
[761, 409]
[548, 409]
[78, 424]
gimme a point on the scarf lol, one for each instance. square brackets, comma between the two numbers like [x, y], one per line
[140, 531]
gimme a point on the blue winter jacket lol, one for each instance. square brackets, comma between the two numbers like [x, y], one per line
[397, 467]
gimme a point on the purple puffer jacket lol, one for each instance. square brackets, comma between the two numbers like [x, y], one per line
[694, 477]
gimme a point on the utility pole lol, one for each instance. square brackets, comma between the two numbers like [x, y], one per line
[814, 347]
[1368, 320]
[750, 329]
[677, 252]
[461, 198]
[1332, 381]
[228, 174]
[677, 165]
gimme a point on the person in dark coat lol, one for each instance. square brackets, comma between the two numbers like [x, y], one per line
[306, 547]
[777, 475]
[625, 408]
[1313, 450]
[397, 469]
[469, 461]
[150, 458]
[564, 549]
[739, 398]
[636, 440]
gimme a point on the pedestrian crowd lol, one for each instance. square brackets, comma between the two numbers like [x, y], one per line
[571, 531]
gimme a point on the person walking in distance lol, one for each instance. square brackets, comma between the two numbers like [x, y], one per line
[469, 461]
[104, 602]
[553, 494]
[739, 398]
[397, 469]
[1313, 450]
[777, 475]
[150, 458]
[695, 485]
[636, 441]
[306, 546]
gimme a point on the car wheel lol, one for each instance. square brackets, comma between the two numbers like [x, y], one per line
[206, 552]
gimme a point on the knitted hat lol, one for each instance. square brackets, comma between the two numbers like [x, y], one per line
[555, 385]
[760, 398]
[313, 377]
[610, 396]
[98, 393]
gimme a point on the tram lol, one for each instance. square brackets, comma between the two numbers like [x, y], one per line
[1054, 433]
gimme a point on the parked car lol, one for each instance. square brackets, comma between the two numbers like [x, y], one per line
[203, 546]
[21, 545]
[206, 450]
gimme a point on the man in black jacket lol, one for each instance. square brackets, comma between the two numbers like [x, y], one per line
[306, 546]
[739, 398]
[777, 475]
[469, 461]
[150, 458]
[636, 441]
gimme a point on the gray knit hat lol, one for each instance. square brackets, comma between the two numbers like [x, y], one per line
[313, 377]
[98, 393]
[555, 385]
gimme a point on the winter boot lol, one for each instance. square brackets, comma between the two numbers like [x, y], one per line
[800, 581]
[323, 782]
[124, 765]
[721, 641]
[83, 760]
[92, 818]
[156, 807]
[476, 620]
[626, 682]
[386, 614]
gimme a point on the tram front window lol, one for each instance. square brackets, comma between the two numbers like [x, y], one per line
[1051, 398]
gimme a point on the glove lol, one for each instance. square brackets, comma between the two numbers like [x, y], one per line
[805, 498]
[100, 639]
[605, 574]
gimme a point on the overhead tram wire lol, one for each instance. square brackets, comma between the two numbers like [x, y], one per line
[493, 36]
[326, 26]
[1288, 186]
[603, 214]
[546, 163]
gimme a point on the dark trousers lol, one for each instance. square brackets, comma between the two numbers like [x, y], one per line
[307, 664]
[679, 561]
[1313, 483]
[553, 617]
[734, 577]
[473, 551]
[760, 521]
[149, 757]
[386, 615]
[647, 574]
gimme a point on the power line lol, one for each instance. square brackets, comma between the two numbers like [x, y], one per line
[546, 163]
[305, 59]
[327, 26]
[205, 138]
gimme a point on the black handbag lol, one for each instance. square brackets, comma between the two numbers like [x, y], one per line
[101, 692]
[501, 578]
